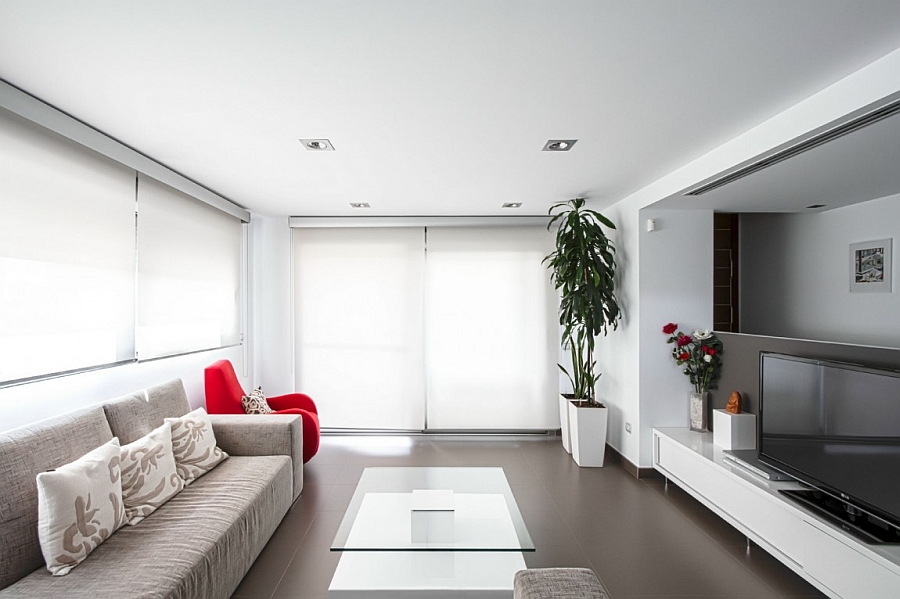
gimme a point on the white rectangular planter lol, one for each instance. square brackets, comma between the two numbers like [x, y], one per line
[734, 431]
[564, 423]
[587, 427]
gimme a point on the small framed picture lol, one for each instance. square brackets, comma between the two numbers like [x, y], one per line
[870, 267]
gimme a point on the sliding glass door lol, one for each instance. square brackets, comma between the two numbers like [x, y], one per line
[437, 328]
[491, 333]
[358, 325]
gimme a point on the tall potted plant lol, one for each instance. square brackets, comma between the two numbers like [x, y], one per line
[583, 269]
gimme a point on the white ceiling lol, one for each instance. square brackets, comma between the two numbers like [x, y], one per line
[854, 168]
[437, 106]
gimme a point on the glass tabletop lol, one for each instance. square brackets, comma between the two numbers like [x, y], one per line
[432, 509]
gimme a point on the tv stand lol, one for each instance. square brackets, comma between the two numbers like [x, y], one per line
[818, 550]
[867, 528]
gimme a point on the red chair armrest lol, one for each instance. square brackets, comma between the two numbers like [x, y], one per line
[310, 431]
[292, 400]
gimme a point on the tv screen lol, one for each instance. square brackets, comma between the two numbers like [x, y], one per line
[834, 426]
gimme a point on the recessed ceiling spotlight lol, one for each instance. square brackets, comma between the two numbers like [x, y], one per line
[559, 145]
[359, 205]
[317, 145]
[512, 205]
[814, 206]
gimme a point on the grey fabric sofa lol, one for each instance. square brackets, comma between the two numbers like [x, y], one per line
[558, 583]
[199, 544]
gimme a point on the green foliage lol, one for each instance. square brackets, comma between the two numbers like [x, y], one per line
[583, 268]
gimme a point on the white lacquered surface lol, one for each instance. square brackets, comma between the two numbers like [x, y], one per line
[836, 563]
[425, 575]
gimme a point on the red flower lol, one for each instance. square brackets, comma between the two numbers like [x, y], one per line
[710, 351]
[670, 328]
[684, 356]
[684, 340]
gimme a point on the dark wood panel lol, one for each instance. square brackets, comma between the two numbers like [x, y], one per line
[722, 259]
[725, 272]
[722, 238]
[722, 277]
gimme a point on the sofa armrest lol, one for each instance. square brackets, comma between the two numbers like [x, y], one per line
[271, 434]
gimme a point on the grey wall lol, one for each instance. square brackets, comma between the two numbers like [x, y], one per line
[795, 271]
[740, 369]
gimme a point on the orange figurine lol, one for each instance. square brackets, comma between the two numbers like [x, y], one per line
[734, 403]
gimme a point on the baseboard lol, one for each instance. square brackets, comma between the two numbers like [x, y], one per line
[629, 466]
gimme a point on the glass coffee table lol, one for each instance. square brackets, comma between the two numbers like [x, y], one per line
[430, 532]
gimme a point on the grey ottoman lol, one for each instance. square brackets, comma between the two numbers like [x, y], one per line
[558, 583]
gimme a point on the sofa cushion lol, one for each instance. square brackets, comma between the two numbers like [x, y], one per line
[194, 443]
[169, 400]
[199, 544]
[256, 403]
[79, 507]
[128, 417]
[24, 452]
[134, 416]
[149, 477]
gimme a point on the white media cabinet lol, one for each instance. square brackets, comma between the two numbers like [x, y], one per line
[833, 561]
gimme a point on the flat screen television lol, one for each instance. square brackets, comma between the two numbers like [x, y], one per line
[836, 428]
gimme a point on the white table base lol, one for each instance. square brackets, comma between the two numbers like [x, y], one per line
[425, 574]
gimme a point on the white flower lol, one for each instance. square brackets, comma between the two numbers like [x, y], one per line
[701, 335]
[707, 358]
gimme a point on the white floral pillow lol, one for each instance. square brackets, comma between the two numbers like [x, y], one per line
[149, 477]
[194, 445]
[256, 403]
[79, 507]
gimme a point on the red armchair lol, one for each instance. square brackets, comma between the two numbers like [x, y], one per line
[224, 392]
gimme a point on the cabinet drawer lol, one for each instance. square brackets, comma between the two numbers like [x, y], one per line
[846, 571]
[752, 508]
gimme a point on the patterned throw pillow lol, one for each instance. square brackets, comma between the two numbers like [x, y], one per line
[79, 507]
[194, 445]
[149, 477]
[256, 403]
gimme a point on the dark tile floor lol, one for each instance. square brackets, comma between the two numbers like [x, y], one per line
[643, 538]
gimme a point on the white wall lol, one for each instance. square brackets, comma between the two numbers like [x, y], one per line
[24, 404]
[268, 335]
[795, 271]
[631, 386]
[271, 312]
[618, 353]
[676, 285]
[665, 275]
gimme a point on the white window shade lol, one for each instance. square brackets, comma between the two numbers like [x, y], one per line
[358, 325]
[492, 337]
[189, 273]
[66, 254]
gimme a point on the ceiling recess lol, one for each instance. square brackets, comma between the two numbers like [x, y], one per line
[808, 144]
[559, 145]
[318, 145]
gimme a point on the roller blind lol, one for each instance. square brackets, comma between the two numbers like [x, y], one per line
[462, 336]
[358, 325]
[66, 254]
[492, 338]
[189, 273]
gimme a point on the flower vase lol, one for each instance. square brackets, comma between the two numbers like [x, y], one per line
[699, 399]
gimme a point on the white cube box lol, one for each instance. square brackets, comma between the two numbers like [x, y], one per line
[734, 431]
[433, 516]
